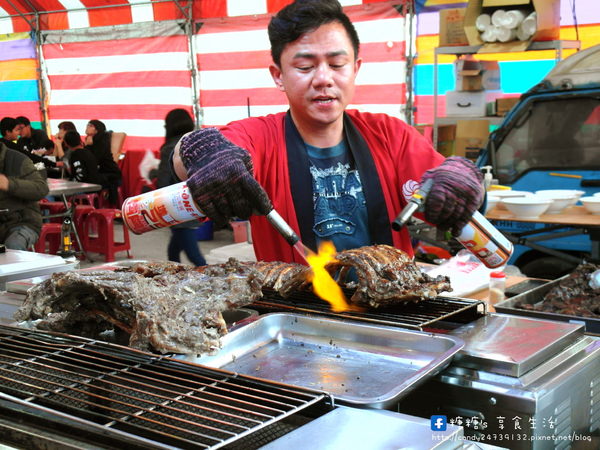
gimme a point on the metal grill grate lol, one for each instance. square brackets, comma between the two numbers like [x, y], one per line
[156, 398]
[412, 315]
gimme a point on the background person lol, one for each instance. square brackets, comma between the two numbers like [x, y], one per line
[21, 188]
[183, 236]
[9, 128]
[63, 127]
[332, 174]
[98, 141]
[83, 166]
[30, 139]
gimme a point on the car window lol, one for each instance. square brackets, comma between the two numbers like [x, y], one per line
[553, 134]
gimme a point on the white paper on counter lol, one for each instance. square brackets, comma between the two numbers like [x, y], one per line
[467, 274]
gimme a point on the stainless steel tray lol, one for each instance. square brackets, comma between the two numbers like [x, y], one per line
[358, 364]
[535, 295]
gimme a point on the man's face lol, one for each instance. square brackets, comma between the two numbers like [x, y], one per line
[24, 130]
[317, 74]
[13, 134]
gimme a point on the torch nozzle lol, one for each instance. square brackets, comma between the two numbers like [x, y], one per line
[415, 203]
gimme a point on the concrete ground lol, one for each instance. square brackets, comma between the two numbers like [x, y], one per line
[153, 246]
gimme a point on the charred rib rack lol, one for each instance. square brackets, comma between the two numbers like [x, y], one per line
[386, 276]
[168, 308]
[573, 296]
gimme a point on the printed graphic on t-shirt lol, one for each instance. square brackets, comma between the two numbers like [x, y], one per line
[337, 195]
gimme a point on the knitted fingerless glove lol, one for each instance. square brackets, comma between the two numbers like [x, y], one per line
[456, 193]
[220, 177]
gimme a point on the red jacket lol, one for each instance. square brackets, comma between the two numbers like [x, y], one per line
[395, 156]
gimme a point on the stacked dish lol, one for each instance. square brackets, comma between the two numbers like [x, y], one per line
[561, 198]
[527, 207]
[502, 195]
[592, 204]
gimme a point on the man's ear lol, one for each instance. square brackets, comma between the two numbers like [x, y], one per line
[276, 75]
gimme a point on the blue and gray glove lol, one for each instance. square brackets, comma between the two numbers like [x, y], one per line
[457, 192]
[220, 177]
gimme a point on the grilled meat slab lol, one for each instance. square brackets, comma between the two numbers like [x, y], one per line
[572, 296]
[386, 276]
[165, 307]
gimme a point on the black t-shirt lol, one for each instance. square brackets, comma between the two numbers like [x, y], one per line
[84, 167]
[35, 142]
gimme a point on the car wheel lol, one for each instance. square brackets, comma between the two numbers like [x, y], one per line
[548, 267]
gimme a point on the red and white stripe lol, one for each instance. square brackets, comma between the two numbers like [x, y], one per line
[71, 14]
[233, 57]
[129, 84]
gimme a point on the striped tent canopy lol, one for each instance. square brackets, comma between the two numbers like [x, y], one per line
[128, 63]
[22, 15]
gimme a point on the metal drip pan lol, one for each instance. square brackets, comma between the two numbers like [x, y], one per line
[361, 365]
[511, 345]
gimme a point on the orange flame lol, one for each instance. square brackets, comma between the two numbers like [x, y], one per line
[323, 284]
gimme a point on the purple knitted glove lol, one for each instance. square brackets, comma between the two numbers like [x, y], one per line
[220, 177]
[456, 193]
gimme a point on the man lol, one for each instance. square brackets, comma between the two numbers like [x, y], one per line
[332, 174]
[83, 165]
[30, 139]
[21, 188]
[9, 128]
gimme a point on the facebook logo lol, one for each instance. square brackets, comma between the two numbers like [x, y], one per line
[438, 423]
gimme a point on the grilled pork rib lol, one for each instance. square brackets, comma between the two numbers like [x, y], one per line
[174, 308]
[386, 276]
[168, 308]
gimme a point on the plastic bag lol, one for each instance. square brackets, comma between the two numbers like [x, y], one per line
[467, 274]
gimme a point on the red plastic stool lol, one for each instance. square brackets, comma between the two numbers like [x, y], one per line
[103, 241]
[103, 199]
[50, 235]
[79, 215]
[86, 199]
[51, 208]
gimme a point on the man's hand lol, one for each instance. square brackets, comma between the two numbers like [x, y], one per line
[220, 177]
[457, 192]
[3, 182]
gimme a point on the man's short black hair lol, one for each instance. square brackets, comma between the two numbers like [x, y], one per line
[303, 16]
[22, 120]
[72, 139]
[7, 124]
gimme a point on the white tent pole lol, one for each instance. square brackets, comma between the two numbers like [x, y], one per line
[410, 26]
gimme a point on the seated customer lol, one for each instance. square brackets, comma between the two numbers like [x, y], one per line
[30, 139]
[83, 166]
[63, 127]
[98, 141]
[9, 129]
[21, 188]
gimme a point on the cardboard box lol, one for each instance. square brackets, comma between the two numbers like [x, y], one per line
[501, 106]
[445, 139]
[471, 137]
[469, 103]
[452, 27]
[548, 23]
[474, 75]
[504, 105]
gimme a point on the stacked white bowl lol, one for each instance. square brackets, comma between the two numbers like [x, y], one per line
[527, 207]
[561, 198]
[592, 204]
[502, 195]
[492, 201]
